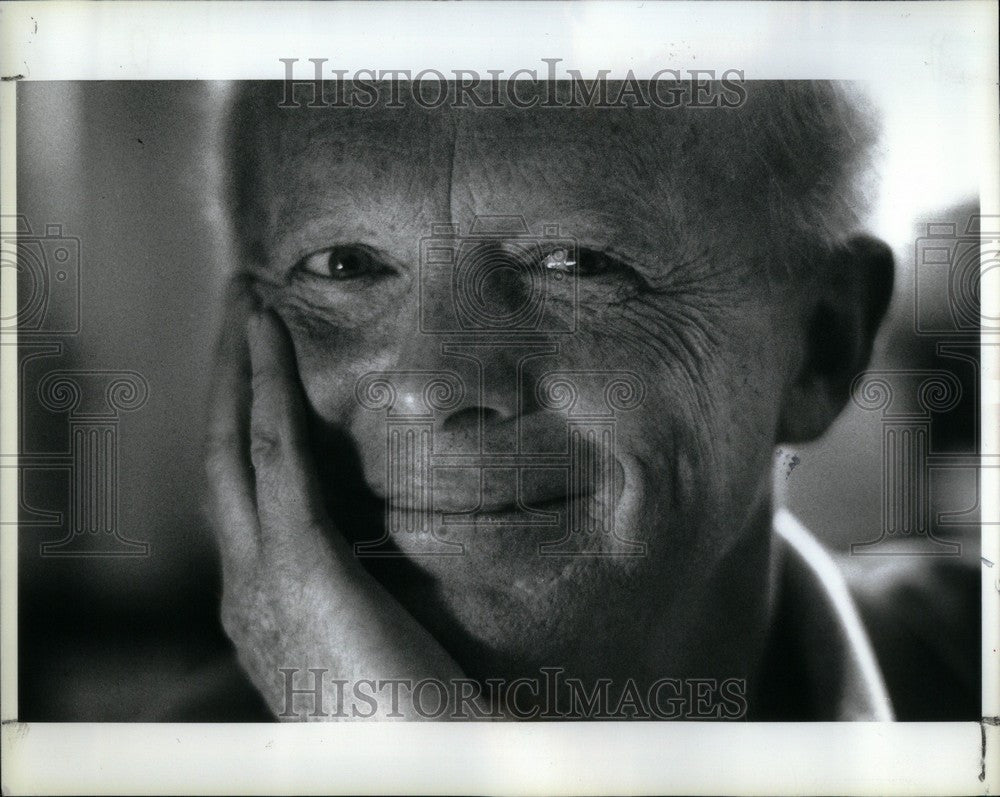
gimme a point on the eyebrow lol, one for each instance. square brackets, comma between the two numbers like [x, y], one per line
[294, 239]
[625, 237]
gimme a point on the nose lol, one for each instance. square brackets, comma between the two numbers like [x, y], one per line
[466, 312]
[467, 385]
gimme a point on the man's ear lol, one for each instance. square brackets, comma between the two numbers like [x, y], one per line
[840, 318]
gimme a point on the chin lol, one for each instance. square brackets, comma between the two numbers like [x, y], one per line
[502, 609]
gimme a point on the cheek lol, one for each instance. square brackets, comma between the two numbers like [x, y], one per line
[707, 426]
[703, 432]
[331, 360]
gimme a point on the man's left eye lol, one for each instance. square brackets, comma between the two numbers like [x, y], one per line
[560, 260]
[342, 263]
[584, 263]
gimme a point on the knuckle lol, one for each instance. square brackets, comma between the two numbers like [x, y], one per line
[265, 447]
[265, 430]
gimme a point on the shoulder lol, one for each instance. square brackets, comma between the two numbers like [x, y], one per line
[872, 631]
[923, 616]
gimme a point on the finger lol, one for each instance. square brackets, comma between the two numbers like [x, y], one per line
[289, 507]
[230, 476]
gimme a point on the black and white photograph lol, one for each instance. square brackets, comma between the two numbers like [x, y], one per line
[603, 375]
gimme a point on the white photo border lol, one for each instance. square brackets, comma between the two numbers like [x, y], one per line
[932, 43]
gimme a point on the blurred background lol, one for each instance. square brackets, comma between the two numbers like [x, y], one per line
[122, 173]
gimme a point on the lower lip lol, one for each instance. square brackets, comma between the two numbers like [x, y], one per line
[504, 512]
[542, 517]
[506, 515]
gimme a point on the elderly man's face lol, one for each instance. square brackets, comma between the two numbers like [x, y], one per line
[671, 288]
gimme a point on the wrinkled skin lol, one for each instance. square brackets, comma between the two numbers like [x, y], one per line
[724, 353]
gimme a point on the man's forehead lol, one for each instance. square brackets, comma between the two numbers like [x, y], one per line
[614, 175]
[533, 134]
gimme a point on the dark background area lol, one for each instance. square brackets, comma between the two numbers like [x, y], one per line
[126, 169]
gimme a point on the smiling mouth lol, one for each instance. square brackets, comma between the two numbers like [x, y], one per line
[510, 495]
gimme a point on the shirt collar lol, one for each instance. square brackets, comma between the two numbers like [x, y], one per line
[843, 679]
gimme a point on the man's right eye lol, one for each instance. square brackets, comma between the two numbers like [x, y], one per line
[342, 263]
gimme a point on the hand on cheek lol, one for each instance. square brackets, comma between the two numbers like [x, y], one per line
[294, 595]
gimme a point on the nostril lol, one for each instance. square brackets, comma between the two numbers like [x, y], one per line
[468, 418]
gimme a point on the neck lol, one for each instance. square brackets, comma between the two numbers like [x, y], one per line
[719, 629]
